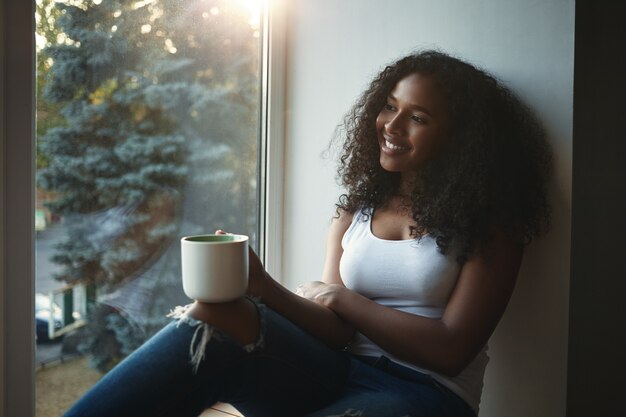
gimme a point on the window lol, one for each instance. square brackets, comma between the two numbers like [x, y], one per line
[180, 111]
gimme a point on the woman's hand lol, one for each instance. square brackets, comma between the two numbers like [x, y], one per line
[321, 293]
[258, 278]
[318, 320]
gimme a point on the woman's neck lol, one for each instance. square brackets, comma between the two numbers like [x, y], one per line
[407, 185]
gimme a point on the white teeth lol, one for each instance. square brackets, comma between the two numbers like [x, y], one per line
[394, 147]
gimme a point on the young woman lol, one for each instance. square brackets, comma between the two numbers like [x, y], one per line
[445, 175]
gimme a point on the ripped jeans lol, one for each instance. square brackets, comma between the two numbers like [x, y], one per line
[285, 373]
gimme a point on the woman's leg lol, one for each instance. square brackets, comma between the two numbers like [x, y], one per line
[382, 388]
[284, 372]
[293, 374]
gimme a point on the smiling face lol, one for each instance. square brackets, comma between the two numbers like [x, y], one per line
[413, 125]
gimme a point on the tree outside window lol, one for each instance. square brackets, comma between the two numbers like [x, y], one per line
[147, 121]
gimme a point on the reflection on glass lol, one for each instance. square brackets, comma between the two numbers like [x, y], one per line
[147, 115]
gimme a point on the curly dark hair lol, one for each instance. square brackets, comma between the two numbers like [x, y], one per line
[493, 177]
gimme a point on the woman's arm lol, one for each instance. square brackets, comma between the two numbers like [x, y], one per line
[316, 319]
[446, 345]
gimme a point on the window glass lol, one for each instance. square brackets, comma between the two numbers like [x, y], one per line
[147, 130]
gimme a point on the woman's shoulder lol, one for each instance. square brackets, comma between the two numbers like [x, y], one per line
[346, 218]
[341, 223]
[343, 219]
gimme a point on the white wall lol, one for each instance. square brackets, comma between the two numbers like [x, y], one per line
[334, 47]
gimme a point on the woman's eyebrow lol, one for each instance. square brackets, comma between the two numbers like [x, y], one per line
[413, 106]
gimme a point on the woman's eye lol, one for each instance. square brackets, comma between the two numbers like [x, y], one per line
[418, 119]
[389, 107]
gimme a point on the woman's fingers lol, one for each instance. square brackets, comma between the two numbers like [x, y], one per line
[310, 289]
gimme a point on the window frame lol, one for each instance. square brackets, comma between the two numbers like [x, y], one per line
[18, 203]
[273, 135]
[17, 176]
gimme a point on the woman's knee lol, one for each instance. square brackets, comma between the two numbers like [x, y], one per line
[239, 318]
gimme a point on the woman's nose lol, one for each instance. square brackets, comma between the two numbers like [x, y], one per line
[395, 124]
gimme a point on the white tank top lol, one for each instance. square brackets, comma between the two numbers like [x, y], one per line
[411, 276]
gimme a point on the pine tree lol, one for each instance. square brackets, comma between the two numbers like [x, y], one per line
[48, 113]
[160, 106]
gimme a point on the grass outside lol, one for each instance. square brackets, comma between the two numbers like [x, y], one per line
[59, 385]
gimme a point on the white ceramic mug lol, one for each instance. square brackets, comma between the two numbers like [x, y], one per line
[214, 267]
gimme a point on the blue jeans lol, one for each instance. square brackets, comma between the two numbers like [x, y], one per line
[286, 373]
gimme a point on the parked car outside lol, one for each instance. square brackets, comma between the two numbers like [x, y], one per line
[42, 317]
